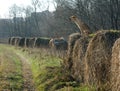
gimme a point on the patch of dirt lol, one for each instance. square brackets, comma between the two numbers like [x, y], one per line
[27, 74]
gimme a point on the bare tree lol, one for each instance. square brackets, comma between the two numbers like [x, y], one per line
[16, 13]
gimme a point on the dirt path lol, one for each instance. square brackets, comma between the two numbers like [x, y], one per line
[27, 74]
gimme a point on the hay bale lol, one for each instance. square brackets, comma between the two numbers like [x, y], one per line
[115, 67]
[42, 42]
[71, 42]
[27, 41]
[79, 51]
[13, 41]
[58, 43]
[9, 40]
[98, 56]
[22, 42]
[30, 42]
[17, 40]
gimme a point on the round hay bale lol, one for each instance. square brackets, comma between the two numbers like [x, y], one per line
[42, 42]
[13, 41]
[58, 44]
[30, 42]
[71, 42]
[79, 51]
[17, 40]
[97, 58]
[51, 44]
[115, 67]
[27, 41]
[9, 40]
[22, 42]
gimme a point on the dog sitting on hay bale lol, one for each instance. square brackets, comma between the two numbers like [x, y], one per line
[97, 59]
[115, 67]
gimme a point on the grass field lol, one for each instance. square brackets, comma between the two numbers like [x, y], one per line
[47, 71]
[10, 70]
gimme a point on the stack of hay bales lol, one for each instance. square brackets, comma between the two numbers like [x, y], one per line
[97, 59]
[14, 40]
[71, 42]
[115, 67]
[79, 51]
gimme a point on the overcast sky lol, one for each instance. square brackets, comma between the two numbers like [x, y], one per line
[5, 4]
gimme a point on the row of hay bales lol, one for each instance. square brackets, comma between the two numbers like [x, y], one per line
[29, 42]
[95, 61]
[53, 43]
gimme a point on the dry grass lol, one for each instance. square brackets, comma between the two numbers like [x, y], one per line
[97, 58]
[79, 51]
[71, 43]
[115, 67]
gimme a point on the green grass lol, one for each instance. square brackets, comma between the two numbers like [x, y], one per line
[48, 74]
[44, 68]
[10, 69]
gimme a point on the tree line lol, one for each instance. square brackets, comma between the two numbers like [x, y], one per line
[30, 21]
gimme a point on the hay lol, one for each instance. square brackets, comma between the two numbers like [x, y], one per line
[115, 67]
[22, 42]
[79, 51]
[17, 40]
[58, 44]
[71, 42]
[27, 42]
[98, 56]
[42, 42]
[30, 42]
[13, 41]
[9, 40]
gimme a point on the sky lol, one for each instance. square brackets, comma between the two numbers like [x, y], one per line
[6, 4]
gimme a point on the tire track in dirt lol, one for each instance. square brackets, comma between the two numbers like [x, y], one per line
[27, 74]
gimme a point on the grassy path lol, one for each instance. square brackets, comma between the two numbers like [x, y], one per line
[32, 70]
[27, 74]
[15, 72]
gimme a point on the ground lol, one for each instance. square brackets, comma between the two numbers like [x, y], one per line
[15, 71]
[26, 69]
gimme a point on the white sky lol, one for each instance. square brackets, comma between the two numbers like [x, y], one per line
[6, 4]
